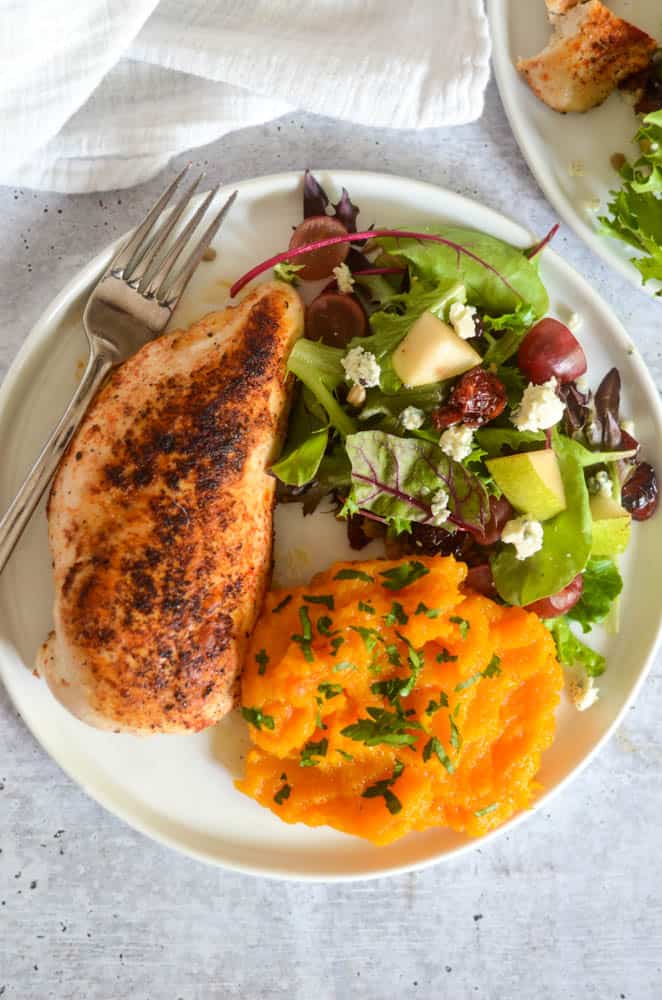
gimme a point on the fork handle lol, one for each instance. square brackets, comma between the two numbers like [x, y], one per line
[24, 503]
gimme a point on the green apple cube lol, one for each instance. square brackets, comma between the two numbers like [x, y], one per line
[611, 526]
[531, 481]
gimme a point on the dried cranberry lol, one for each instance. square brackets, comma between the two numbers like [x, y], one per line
[501, 511]
[430, 540]
[477, 397]
[356, 536]
[640, 495]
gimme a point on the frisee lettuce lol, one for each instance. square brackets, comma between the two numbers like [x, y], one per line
[635, 211]
[602, 585]
[571, 651]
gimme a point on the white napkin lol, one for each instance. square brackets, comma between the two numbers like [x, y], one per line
[100, 94]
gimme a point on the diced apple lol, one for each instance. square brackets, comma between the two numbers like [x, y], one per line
[432, 351]
[611, 526]
[532, 481]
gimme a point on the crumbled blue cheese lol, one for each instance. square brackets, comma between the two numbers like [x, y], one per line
[525, 534]
[361, 367]
[540, 407]
[439, 507]
[461, 318]
[412, 418]
[581, 688]
[601, 485]
[457, 442]
[582, 384]
[344, 278]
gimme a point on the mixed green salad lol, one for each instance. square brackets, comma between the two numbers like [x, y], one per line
[635, 211]
[441, 410]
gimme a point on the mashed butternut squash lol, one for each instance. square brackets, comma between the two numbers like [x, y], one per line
[383, 699]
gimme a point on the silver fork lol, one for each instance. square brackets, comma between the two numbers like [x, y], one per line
[131, 304]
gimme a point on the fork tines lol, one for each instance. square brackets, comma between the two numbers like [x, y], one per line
[148, 262]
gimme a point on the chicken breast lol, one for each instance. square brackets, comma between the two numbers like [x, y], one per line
[590, 52]
[160, 522]
[560, 6]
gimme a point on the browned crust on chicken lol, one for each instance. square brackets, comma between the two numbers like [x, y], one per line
[590, 52]
[160, 521]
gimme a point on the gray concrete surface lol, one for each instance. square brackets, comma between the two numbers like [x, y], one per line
[568, 906]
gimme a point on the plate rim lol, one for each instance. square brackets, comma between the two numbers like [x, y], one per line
[554, 194]
[42, 329]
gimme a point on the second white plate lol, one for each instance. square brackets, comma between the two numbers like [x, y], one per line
[569, 155]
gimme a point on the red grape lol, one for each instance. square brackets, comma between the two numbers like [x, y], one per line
[319, 263]
[640, 494]
[558, 604]
[550, 349]
[479, 578]
[500, 512]
[335, 319]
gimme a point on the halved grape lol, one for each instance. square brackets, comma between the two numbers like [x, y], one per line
[335, 319]
[558, 604]
[480, 579]
[319, 263]
[501, 511]
[549, 350]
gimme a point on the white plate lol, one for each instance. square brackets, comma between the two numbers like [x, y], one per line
[552, 142]
[178, 789]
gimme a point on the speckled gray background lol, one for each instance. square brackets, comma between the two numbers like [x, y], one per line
[568, 906]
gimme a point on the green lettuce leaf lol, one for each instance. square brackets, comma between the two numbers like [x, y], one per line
[498, 278]
[396, 478]
[635, 211]
[516, 325]
[493, 439]
[566, 541]
[319, 368]
[379, 403]
[571, 651]
[602, 585]
[300, 464]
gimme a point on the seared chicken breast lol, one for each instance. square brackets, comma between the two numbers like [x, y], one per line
[590, 52]
[560, 6]
[160, 522]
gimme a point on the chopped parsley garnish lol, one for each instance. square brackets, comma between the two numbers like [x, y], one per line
[434, 706]
[324, 624]
[403, 575]
[305, 639]
[344, 665]
[397, 615]
[312, 750]
[392, 654]
[391, 689]
[456, 739]
[445, 657]
[329, 690]
[261, 659]
[343, 753]
[367, 608]
[283, 604]
[493, 668]
[336, 644]
[282, 794]
[370, 636]
[382, 727]
[416, 662]
[462, 624]
[435, 746]
[469, 681]
[383, 788]
[257, 718]
[423, 609]
[354, 574]
[487, 809]
[325, 599]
